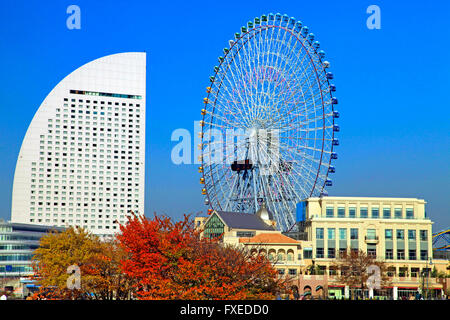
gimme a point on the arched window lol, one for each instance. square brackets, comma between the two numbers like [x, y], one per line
[281, 255]
[272, 255]
[290, 255]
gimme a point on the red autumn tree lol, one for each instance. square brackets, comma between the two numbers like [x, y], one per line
[168, 260]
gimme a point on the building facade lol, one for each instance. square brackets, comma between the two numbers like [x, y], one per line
[230, 227]
[17, 243]
[395, 231]
[82, 161]
[282, 250]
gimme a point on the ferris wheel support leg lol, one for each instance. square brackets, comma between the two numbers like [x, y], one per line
[242, 186]
[255, 194]
[227, 205]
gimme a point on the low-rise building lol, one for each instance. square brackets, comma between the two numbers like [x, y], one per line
[396, 231]
[283, 251]
[231, 226]
[17, 243]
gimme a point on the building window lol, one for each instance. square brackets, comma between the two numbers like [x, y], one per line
[307, 253]
[371, 234]
[214, 227]
[352, 212]
[330, 212]
[332, 271]
[400, 234]
[353, 234]
[372, 251]
[331, 253]
[412, 254]
[409, 213]
[391, 271]
[322, 270]
[331, 234]
[375, 213]
[290, 256]
[400, 254]
[388, 234]
[411, 234]
[423, 254]
[389, 254]
[363, 213]
[342, 252]
[423, 235]
[281, 272]
[341, 212]
[244, 234]
[403, 272]
[292, 272]
[319, 233]
[386, 213]
[398, 213]
[319, 252]
[342, 234]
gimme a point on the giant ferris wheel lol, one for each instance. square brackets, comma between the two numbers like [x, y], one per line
[268, 126]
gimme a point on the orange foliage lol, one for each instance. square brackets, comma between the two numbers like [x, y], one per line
[99, 263]
[168, 260]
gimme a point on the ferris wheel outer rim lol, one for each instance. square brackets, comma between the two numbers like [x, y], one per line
[289, 30]
[321, 93]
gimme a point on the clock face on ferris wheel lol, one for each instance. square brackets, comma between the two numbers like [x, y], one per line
[272, 90]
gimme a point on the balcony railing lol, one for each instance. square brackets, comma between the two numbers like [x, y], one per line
[371, 239]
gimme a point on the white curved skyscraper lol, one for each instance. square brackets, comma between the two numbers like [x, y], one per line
[82, 161]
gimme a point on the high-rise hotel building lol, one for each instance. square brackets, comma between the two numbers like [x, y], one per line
[82, 160]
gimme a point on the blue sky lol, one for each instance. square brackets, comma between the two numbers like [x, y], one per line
[392, 83]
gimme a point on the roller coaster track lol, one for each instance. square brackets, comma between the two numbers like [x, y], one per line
[441, 240]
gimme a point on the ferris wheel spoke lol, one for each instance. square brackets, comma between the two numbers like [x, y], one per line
[235, 106]
[292, 95]
[277, 170]
[305, 170]
[239, 83]
[245, 68]
[304, 156]
[235, 83]
[220, 186]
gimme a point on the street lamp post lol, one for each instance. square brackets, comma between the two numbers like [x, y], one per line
[428, 275]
